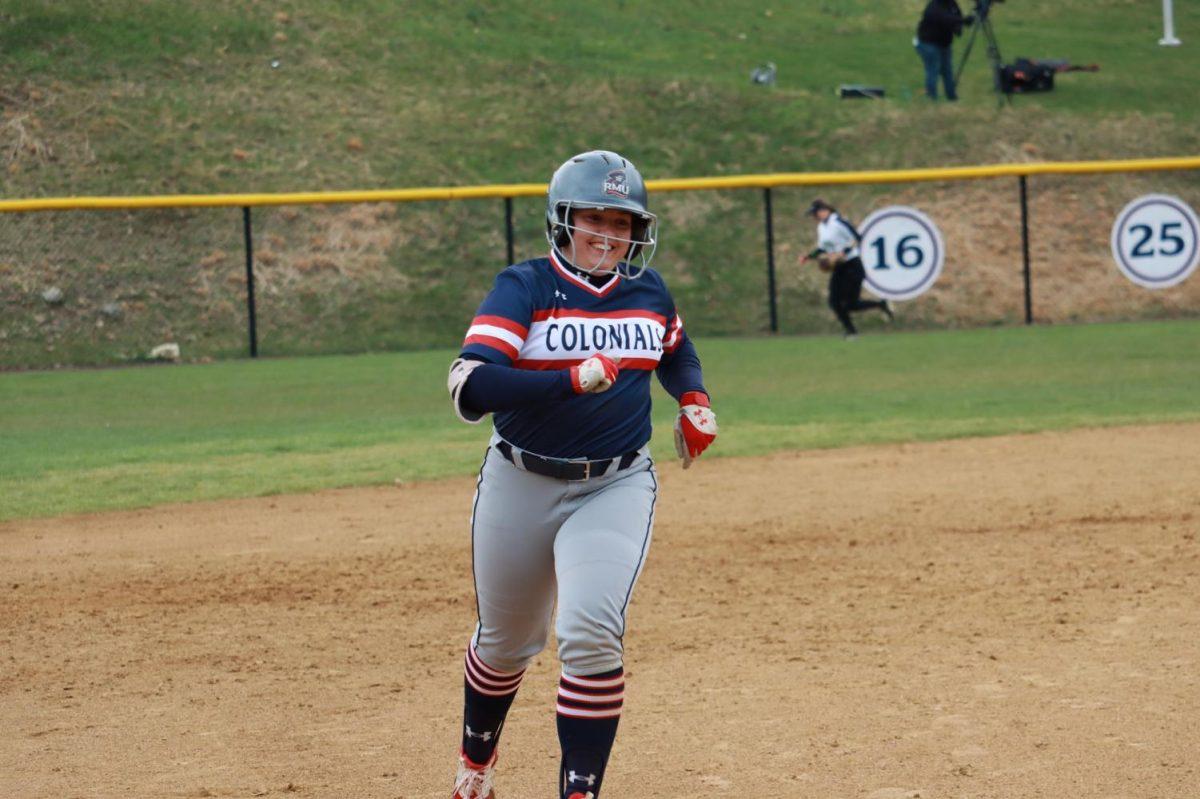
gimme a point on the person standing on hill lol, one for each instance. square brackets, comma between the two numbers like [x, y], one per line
[941, 22]
[561, 352]
[837, 253]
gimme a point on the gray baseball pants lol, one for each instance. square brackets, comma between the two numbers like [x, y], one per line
[531, 534]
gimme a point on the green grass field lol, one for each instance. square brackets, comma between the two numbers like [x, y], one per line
[76, 441]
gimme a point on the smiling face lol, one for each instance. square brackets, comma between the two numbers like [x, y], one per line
[600, 238]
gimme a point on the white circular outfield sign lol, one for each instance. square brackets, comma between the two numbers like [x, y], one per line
[902, 252]
[1154, 241]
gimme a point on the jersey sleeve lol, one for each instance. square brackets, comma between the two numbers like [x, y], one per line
[501, 324]
[679, 370]
[674, 336]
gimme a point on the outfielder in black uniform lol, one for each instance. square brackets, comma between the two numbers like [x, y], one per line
[837, 253]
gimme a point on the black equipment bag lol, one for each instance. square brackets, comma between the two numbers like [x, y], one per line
[1026, 75]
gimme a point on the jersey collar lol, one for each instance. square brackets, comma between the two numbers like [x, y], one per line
[575, 277]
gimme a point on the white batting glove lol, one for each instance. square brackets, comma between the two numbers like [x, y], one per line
[695, 427]
[460, 370]
[594, 375]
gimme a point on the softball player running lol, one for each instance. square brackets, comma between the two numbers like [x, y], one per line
[837, 253]
[561, 353]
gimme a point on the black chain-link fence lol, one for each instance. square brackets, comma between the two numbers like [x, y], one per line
[106, 287]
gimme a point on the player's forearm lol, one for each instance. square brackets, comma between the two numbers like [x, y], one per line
[680, 371]
[492, 387]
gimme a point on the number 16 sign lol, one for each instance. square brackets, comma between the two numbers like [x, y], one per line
[1154, 241]
[902, 252]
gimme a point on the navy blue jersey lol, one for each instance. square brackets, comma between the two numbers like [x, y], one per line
[540, 315]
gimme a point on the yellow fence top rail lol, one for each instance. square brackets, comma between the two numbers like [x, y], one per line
[539, 189]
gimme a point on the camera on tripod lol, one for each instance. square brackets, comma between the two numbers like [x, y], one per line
[983, 22]
[1021, 76]
[980, 12]
[983, 6]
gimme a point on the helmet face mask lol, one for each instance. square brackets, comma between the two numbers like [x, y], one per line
[638, 247]
[601, 180]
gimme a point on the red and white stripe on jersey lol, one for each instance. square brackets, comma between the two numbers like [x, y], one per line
[486, 680]
[591, 698]
[674, 334]
[574, 314]
[498, 333]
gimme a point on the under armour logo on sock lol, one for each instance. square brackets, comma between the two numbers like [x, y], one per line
[589, 780]
[483, 736]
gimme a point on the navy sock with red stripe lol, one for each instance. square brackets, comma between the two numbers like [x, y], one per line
[489, 695]
[589, 709]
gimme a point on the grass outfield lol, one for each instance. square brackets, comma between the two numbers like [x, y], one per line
[78, 441]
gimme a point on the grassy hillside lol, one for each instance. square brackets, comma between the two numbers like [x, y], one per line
[118, 438]
[142, 96]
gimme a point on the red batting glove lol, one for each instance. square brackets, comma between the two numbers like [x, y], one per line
[695, 427]
[594, 375]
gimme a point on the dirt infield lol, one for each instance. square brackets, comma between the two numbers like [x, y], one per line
[1005, 617]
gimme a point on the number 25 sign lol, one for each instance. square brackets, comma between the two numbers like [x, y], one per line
[902, 252]
[1154, 241]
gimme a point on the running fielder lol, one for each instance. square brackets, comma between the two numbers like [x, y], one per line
[837, 253]
[561, 353]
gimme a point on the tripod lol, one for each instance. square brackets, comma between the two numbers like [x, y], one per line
[984, 22]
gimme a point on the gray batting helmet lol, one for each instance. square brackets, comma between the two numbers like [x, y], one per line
[601, 179]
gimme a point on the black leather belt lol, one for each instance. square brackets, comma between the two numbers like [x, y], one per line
[559, 468]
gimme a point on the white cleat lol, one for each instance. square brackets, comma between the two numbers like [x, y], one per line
[474, 781]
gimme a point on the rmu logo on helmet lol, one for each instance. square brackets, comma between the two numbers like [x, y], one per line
[615, 184]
